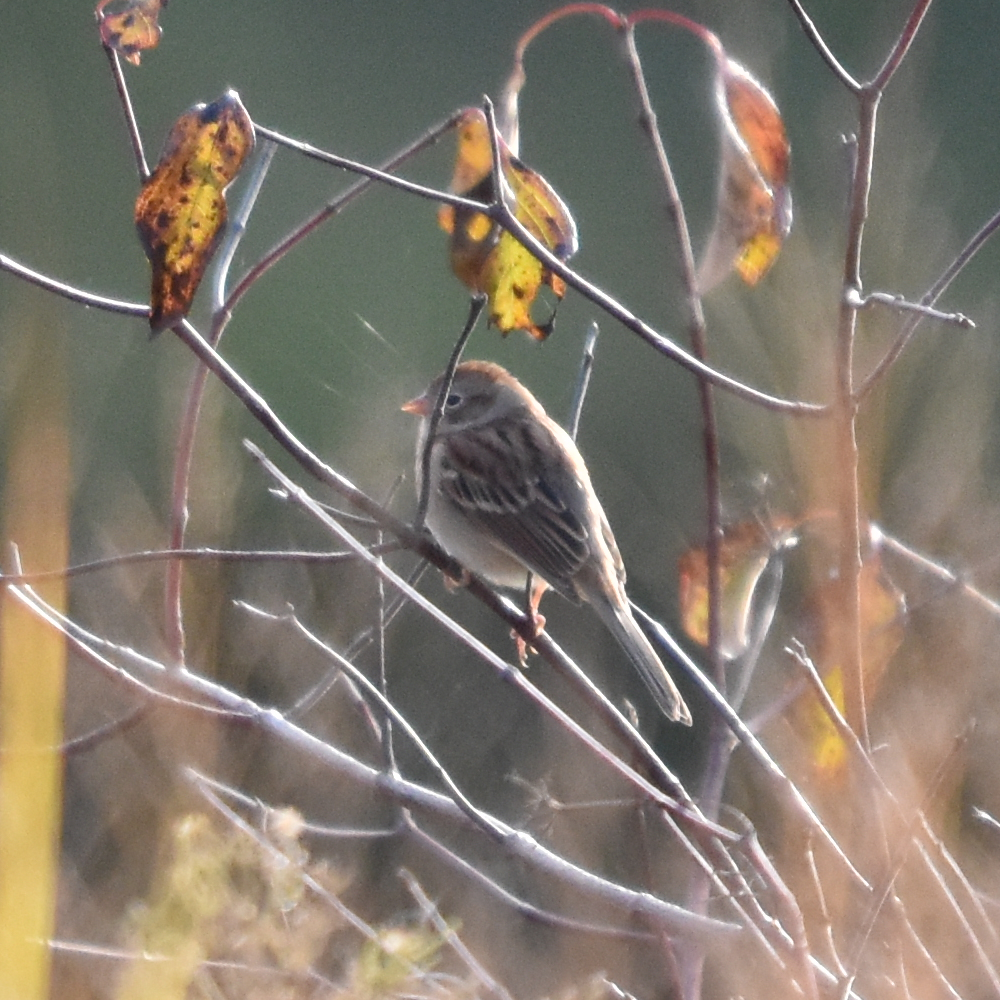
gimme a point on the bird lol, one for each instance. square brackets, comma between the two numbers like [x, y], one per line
[510, 495]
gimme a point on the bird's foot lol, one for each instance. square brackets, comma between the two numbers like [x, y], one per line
[453, 583]
[524, 645]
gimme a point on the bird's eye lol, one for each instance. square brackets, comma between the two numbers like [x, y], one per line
[454, 399]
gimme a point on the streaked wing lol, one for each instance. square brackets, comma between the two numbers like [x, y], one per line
[497, 475]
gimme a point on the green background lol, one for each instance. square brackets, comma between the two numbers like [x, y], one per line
[362, 80]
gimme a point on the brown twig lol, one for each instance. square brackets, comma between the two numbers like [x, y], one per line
[500, 213]
[73, 294]
[969, 251]
[131, 124]
[476, 305]
[819, 44]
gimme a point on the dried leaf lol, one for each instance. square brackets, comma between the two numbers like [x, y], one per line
[746, 551]
[883, 619]
[181, 209]
[489, 260]
[828, 752]
[131, 30]
[754, 208]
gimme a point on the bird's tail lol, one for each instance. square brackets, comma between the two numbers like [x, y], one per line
[632, 639]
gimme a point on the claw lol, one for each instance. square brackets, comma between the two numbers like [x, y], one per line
[452, 583]
[524, 647]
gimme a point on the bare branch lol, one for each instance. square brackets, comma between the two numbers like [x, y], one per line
[899, 304]
[819, 44]
[902, 46]
[131, 124]
[139, 309]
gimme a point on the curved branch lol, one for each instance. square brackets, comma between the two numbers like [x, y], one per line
[501, 214]
[139, 309]
[818, 43]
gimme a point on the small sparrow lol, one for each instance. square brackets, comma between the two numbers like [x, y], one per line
[510, 493]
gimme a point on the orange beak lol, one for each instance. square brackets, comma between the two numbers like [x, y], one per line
[419, 407]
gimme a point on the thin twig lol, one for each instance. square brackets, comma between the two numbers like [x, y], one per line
[792, 913]
[932, 295]
[237, 224]
[847, 631]
[383, 616]
[937, 973]
[899, 304]
[361, 640]
[788, 790]
[818, 43]
[390, 710]
[583, 379]
[720, 746]
[520, 906]
[951, 579]
[476, 305]
[131, 124]
[219, 702]
[447, 933]
[917, 822]
[373, 173]
[87, 742]
[902, 46]
[506, 671]
[138, 309]
[826, 923]
[503, 216]
[180, 487]
[191, 555]
[328, 211]
[848, 643]
[265, 815]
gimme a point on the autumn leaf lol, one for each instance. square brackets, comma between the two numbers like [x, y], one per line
[181, 209]
[883, 619]
[131, 30]
[746, 552]
[754, 208]
[488, 259]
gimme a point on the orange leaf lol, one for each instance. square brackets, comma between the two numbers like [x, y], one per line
[181, 209]
[747, 550]
[754, 208]
[131, 30]
[489, 260]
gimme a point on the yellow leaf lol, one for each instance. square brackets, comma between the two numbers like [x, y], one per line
[131, 30]
[883, 618]
[489, 260]
[829, 752]
[181, 209]
[754, 208]
[746, 551]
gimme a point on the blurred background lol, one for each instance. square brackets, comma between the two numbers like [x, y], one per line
[363, 314]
